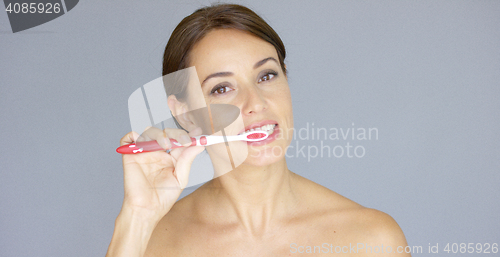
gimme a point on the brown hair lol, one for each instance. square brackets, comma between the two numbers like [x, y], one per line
[220, 16]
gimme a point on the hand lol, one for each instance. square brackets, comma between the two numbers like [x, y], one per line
[154, 180]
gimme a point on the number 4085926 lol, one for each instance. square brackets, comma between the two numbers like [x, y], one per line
[33, 8]
[471, 248]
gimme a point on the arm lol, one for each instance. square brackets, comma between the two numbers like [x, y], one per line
[153, 181]
[132, 232]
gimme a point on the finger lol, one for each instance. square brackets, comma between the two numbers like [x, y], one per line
[179, 135]
[162, 137]
[166, 141]
[129, 138]
[176, 152]
[149, 134]
[184, 162]
[158, 135]
[195, 132]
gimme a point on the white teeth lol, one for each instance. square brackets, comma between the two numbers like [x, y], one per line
[269, 128]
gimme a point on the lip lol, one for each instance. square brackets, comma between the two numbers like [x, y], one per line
[269, 139]
[259, 124]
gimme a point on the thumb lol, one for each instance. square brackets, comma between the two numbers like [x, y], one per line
[184, 162]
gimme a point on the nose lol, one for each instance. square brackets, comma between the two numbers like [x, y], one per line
[253, 100]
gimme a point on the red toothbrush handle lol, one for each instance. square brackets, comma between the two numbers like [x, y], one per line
[148, 146]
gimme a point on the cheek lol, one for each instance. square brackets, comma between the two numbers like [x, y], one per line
[287, 110]
[284, 98]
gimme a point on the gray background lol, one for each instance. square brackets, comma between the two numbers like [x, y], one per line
[426, 74]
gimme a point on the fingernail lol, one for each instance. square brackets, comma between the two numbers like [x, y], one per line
[167, 142]
[185, 140]
[199, 131]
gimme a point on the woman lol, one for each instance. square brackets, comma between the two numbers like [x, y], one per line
[260, 208]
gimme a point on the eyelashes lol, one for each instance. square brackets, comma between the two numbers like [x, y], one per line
[225, 87]
[268, 76]
[219, 89]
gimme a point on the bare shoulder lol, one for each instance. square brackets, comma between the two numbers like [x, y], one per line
[378, 226]
[348, 223]
[377, 232]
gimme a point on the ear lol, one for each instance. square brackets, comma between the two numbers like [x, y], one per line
[180, 112]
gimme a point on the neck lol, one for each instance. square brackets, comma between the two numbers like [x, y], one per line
[254, 196]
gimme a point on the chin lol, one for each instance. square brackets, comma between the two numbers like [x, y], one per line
[265, 157]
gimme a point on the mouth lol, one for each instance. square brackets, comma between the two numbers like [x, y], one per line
[265, 126]
[269, 129]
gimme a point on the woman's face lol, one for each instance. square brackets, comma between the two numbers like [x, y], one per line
[238, 68]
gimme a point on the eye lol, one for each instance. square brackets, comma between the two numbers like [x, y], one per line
[268, 76]
[220, 89]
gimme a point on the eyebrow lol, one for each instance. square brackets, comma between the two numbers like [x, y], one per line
[218, 74]
[227, 73]
[260, 63]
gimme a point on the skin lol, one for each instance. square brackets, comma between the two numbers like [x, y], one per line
[259, 209]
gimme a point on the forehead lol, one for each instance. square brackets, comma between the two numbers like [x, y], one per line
[227, 50]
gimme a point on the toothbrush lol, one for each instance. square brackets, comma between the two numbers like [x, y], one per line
[151, 146]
